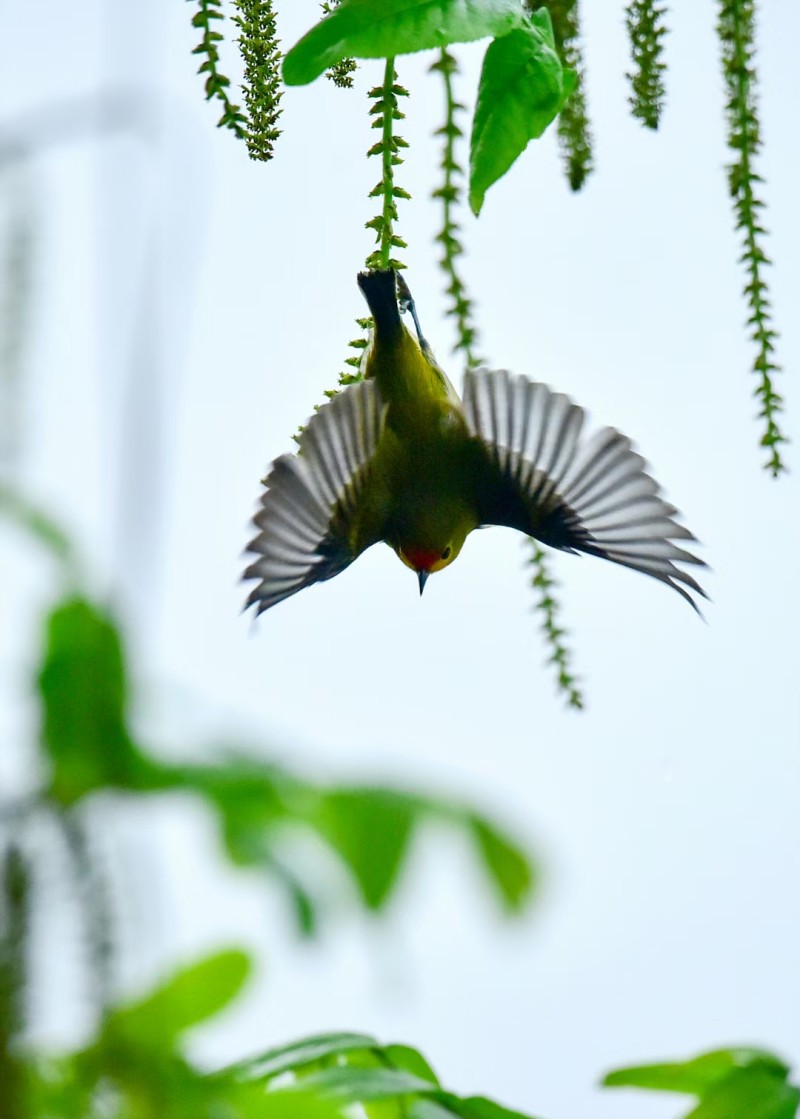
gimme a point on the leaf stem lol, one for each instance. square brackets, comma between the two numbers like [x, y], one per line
[260, 50]
[216, 84]
[389, 208]
[386, 111]
[736, 30]
[644, 21]
[574, 133]
[451, 196]
[93, 889]
[548, 607]
[14, 940]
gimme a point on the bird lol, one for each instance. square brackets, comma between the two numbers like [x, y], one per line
[399, 457]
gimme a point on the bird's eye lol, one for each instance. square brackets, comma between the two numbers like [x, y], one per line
[446, 552]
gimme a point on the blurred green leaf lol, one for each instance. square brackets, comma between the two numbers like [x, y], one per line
[696, 1076]
[108, 1081]
[426, 1109]
[291, 1104]
[394, 1107]
[737, 1083]
[371, 830]
[298, 1054]
[749, 1093]
[304, 906]
[369, 1075]
[248, 798]
[522, 88]
[509, 869]
[17, 509]
[361, 29]
[83, 688]
[132, 1069]
[410, 1060]
[478, 1107]
[83, 685]
[191, 996]
[353, 1084]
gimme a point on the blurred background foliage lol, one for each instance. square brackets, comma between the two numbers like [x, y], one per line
[135, 1063]
[87, 747]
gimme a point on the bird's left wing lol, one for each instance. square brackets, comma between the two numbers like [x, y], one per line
[308, 508]
[579, 494]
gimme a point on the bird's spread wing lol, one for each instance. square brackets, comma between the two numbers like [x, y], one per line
[572, 492]
[308, 507]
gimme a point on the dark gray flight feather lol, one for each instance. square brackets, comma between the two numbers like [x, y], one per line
[310, 497]
[578, 494]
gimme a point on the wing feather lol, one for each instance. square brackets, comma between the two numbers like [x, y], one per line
[310, 498]
[590, 495]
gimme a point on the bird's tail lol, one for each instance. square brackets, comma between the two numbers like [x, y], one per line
[380, 291]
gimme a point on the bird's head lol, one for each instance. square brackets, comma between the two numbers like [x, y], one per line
[431, 555]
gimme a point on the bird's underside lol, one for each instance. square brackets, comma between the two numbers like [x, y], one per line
[535, 471]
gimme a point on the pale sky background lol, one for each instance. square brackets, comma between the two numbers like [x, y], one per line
[205, 302]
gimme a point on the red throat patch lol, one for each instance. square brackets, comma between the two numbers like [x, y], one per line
[420, 559]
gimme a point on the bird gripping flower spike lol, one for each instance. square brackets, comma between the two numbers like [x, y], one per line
[400, 458]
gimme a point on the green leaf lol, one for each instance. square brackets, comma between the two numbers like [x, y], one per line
[367, 1074]
[509, 870]
[20, 511]
[371, 830]
[696, 1076]
[478, 1107]
[364, 29]
[307, 1051]
[304, 905]
[410, 1060]
[191, 996]
[749, 1093]
[247, 798]
[522, 88]
[83, 688]
[353, 1084]
[426, 1109]
[289, 1103]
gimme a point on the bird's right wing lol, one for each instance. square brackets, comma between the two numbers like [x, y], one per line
[311, 500]
[579, 494]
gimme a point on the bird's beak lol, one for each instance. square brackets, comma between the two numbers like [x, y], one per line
[422, 576]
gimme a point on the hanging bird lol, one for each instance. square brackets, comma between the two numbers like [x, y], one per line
[399, 457]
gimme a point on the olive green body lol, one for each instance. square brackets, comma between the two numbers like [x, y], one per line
[421, 497]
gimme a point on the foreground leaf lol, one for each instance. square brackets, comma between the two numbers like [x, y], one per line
[191, 996]
[260, 807]
[363, 29]
[410, 1060]
[371, 830]
[248, 798]
[298, 1054]
[696, 1076]
[739, 1083]
[509, 870]
[368, 1076]
[478, 1107]
[291, 1104]
[38, 524]
[751, 1093]
[522, 88]
[83, 688]
[353, 1084]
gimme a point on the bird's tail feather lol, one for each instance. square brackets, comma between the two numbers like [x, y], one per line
[380, 291]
